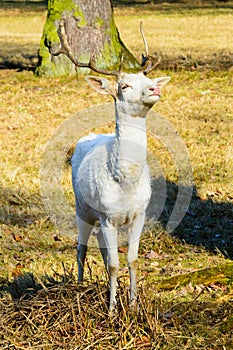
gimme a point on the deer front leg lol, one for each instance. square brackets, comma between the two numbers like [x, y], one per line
[110, 239]
[133, 244]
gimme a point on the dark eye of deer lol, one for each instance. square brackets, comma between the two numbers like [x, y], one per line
[124, 86]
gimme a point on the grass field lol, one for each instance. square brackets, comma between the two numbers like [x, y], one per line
[185, 278]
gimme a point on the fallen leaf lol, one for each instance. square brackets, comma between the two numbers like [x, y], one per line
[17, 271]
[143, 341]
[122, 249]
[16, 237]
[153, 255]
[198, 289]
[189, 289]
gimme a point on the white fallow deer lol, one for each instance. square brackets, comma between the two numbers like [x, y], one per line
[109, 172]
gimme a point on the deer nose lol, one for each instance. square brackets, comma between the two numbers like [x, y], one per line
[155, 90]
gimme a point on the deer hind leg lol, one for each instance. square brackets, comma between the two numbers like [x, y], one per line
[103, 249]
[84, 231]
[111, 245]
[133, 245]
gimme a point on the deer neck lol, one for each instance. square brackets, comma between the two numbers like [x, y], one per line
[128, 157]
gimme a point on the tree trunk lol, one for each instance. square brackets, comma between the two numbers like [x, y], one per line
[91, 30]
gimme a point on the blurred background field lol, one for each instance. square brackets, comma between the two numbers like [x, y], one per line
[200, 31]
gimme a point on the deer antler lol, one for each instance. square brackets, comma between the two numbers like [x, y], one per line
[66, 50]
[150, 66]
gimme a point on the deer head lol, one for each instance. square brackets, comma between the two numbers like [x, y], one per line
[135, 91]
[132, 89]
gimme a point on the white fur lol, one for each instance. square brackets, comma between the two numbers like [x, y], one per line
[111, 178]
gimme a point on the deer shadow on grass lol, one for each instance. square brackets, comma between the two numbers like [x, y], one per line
[207, 222]
[25, 285]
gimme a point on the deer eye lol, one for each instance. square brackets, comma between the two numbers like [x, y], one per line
[124, 86]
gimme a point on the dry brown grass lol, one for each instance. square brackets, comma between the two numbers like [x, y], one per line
[56, 313]
[42, 307]
[65, 317]
[186, 41]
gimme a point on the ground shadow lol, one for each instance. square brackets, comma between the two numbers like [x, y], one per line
[25, 57]
[25, 286]
[207, 223]
[15, 55]
[27, 5]
[174, 4]
[19, 57]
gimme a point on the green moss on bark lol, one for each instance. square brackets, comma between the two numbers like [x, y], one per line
[78, 14]
[48, 67]
[113, 51]
[109, 55]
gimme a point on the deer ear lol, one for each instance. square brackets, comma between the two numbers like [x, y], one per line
[161, 82]
[102, 85]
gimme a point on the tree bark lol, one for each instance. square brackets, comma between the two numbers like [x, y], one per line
[91, 30]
